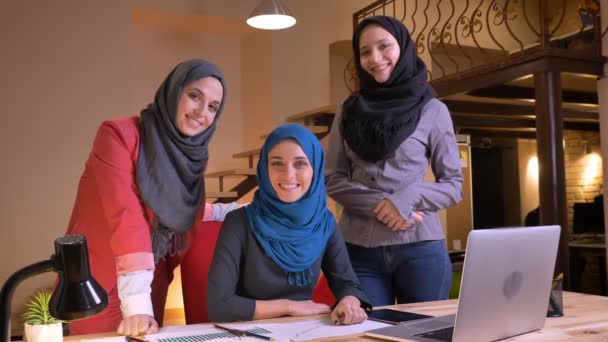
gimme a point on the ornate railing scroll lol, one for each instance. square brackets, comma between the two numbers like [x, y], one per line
[457, 35]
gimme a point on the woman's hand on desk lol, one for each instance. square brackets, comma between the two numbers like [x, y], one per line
[306, 308]
[136, 325]
[348, 311]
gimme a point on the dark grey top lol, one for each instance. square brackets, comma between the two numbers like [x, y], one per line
[359, 185]
[242, 273]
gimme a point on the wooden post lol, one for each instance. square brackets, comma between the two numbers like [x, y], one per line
[552, 176]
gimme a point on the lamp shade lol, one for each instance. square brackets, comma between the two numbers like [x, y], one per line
[271, 15]
[77, 294]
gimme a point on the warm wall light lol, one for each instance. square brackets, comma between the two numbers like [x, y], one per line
[593, 168]
[271, 15]
[532, 169]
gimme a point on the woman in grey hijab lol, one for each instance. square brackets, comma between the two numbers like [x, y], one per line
[142, 193]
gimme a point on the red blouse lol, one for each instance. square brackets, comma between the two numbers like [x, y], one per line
[109, 210]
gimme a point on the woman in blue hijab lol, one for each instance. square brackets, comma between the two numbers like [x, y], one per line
[269, 254]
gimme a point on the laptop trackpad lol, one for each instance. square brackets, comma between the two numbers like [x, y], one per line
[434, 323]
[438, 328]
[439, 335]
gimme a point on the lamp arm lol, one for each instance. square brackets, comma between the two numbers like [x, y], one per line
[9, 287]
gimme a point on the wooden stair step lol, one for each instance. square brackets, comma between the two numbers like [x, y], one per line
[311, 114]
[222, 194]
[232, 172]
[247, 154]
[314, 129]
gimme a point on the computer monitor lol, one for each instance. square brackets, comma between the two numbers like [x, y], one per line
[588, 217]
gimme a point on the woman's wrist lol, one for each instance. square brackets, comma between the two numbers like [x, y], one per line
[352, 300]
[289, 304]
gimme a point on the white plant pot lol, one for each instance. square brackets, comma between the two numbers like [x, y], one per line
[43, 333]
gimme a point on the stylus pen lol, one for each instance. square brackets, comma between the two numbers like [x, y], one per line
[238, 332]
[134, 339]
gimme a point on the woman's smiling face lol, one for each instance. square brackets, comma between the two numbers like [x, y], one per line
[379, 52]
[198, 104]
[289, 170]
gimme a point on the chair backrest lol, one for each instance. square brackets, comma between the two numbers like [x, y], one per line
[322, 293]
[194, 270]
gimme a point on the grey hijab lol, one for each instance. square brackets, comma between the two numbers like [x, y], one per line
[170, 166]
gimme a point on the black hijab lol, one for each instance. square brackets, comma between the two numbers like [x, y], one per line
[380, 116]
[171, 165]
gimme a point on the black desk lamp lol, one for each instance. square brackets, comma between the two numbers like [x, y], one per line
[77, 294]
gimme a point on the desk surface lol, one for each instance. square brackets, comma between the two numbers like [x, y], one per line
[585, 319]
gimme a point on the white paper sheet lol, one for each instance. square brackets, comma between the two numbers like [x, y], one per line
[308, 330]
[281, 332]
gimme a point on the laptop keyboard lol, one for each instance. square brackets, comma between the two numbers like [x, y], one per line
[439, 335]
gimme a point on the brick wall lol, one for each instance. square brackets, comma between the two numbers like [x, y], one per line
[583, 171]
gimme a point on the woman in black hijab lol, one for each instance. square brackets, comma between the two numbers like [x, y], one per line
[382, 142]
[142, 194]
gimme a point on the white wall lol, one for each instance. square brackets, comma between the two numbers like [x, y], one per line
[152, 55]
[63, 70]
[300, 74]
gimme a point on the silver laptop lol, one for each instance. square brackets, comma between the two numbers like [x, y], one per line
[506, 282]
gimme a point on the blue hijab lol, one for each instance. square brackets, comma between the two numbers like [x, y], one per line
[293, 234]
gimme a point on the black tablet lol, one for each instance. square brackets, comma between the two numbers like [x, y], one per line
[393, 316]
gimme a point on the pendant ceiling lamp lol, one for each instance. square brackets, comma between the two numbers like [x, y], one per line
[271, 15]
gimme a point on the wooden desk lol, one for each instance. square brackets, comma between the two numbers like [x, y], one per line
[585, 319]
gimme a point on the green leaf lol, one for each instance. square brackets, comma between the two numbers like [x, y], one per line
[37, 310]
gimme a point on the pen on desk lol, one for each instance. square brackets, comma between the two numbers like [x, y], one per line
[554, 306]
[238, 332]
[134, 339]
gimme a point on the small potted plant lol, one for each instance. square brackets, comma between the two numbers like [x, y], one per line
[40, 326]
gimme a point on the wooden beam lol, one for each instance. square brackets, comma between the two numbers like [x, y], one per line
[487, 75]
[515, 125]
[475, 107]
[493, 122]
[573, 61]
[458, 106]
[503, 129]
[528, 62]
[578, 115]
[518, 92]
[482, 132]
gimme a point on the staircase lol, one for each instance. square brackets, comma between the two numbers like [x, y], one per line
[317, 120]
